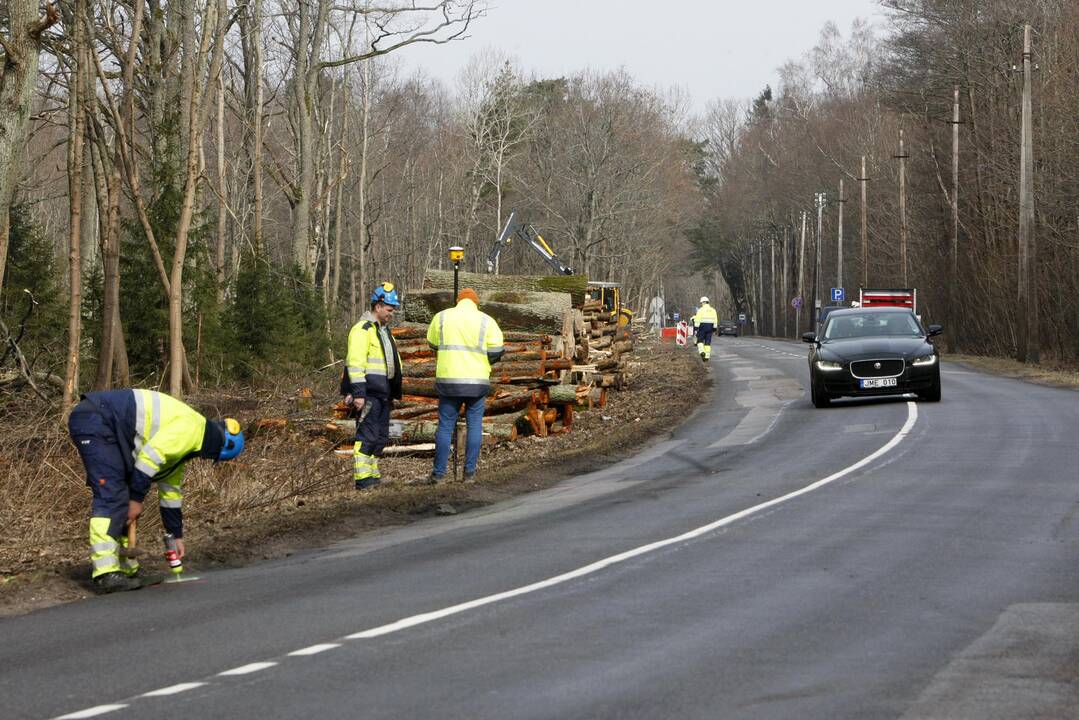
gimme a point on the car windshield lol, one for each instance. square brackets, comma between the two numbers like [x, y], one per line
[892, 324]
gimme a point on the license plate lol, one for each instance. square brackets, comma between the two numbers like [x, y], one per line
[879, 383]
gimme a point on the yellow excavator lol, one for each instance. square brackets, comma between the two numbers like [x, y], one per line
[607, 293]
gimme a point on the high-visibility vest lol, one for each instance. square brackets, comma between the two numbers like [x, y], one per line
[706, 315]
[368, 371]
[467, 341]
[162, 433]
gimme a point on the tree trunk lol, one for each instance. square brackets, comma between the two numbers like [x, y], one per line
[18, 72]
[75, 161]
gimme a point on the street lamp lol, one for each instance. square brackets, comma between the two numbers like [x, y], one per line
[457, 254]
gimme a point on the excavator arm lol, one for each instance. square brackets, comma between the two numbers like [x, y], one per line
[528, 234]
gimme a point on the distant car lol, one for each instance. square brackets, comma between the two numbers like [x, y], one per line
[873, 351]
[727, 327]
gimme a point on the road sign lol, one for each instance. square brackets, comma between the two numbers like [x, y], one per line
[796, 303]
[682, 334]
[839, 294]
[741, 317]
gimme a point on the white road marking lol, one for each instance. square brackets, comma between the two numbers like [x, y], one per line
[423, 618]
[91, 712]
[314, 649]
[182, 687]
[248, 669]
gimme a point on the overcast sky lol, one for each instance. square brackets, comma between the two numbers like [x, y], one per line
[712, 48]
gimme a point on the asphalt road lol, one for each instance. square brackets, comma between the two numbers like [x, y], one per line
[876, 559]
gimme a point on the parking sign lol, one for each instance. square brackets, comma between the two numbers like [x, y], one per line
[838, 295]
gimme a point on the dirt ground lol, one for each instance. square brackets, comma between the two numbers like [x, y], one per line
[294, 492]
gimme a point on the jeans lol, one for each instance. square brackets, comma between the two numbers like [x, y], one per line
[448, 410]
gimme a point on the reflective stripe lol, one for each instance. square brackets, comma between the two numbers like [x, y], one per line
[483, 331]
[166, 488]
[375, 370]
[155, 414]
[463, 381]
[106, 563]
[155, 457]
[462, 348]
[170, 503]
[140, 424]
[143, 465]
[103, 547]
[496, 348]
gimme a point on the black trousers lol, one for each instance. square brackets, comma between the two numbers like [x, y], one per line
[373, 426]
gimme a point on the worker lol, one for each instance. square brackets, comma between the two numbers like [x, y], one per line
[467, 341]
[128, 439]
[371, 382]
[705, 322]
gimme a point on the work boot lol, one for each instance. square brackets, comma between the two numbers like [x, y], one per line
[470, 477]
[368, 483]
[115, 582]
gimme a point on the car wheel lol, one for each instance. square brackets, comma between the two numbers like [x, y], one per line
[819, 397]
[933, 393]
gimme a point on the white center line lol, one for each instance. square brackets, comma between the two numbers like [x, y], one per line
[172, 690]
[91, 712]
[314, 649]
[247, 669]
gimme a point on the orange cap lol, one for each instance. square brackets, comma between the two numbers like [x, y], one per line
[468, 294]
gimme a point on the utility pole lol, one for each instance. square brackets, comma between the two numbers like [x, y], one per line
[817, 262]
[801, 277]
[786, 275]
[1029, 350]
[865, 234]
[772, 276]
[902, 207]
[839, 250]
[953, 286]
[758, 319]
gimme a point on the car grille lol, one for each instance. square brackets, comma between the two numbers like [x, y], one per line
[870, 369]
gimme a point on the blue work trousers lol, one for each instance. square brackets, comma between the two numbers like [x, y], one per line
[448, 410]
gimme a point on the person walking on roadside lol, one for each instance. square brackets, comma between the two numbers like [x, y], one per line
[467, 341]
[371, 382]
[705, 322]
[128, 439]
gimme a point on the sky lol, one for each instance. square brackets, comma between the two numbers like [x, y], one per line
[711, 48]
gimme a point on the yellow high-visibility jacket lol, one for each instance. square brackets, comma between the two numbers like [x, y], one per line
[706, 315]
[372, 365]
[467, 341]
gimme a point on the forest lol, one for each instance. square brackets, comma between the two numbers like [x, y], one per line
[201, 193]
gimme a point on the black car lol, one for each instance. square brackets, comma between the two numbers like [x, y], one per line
[873, 351]
[727, 327]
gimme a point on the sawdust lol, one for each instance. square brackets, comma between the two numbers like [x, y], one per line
[293, 493]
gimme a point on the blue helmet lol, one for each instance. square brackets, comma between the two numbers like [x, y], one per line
[386, 293]
[233, 444]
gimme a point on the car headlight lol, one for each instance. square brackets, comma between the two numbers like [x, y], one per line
[930, 359]
[828, 365]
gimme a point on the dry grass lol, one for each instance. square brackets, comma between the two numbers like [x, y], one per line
[289, 490]
[1046, 374]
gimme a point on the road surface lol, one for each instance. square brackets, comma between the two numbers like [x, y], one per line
[876, 559]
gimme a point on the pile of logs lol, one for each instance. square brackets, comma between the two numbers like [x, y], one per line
[526, 398]
[600, 346]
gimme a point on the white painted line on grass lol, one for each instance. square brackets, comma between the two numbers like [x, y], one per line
[92, 712]
[314, 649]
[248, 669]
[174, 689]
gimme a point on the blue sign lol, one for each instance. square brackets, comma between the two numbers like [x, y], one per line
[677, 317]
[741, 317]
[796, 303]
[838, 295]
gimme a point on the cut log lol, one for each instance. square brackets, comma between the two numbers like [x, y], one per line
[575, 285]
[522, 311]
[409, 331]
[562, 394]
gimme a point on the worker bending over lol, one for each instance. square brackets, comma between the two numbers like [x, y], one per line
[371, 382]
[128, 439]
[705, 322]
[467, 342]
